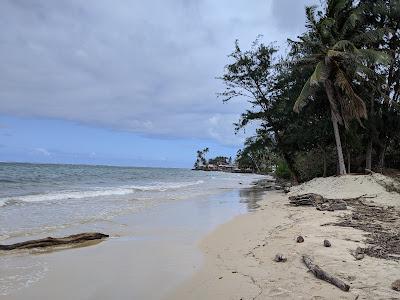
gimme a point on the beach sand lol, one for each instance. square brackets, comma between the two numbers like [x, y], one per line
[239, 254]
[155, 255]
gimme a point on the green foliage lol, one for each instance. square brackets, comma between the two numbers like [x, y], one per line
[218, 160]
[282, 170]
[257, 154]
[346, 63]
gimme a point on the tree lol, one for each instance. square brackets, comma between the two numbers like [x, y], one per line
[384, 127]
[329, 46]
[258, 153]
[201, 161]
[251, 76]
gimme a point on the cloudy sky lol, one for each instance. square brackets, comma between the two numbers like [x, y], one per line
[126, 82]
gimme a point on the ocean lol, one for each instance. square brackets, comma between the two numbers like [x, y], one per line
[40, 199]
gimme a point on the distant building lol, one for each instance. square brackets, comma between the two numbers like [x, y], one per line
[225, 167]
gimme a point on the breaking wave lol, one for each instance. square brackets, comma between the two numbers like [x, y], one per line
[98, 192]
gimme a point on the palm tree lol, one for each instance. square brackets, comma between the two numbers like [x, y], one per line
[205, 151]
[332, 48]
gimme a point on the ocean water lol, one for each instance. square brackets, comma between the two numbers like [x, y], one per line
[38, 199]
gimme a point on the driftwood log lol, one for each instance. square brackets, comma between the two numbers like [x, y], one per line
[321, 274]
[306, 200]
[50, 241]
[318, 201]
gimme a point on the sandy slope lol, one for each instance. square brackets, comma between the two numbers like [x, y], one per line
[239, 255]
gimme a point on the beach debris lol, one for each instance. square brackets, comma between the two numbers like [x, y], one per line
[306, 199]
[381, 225]
[300, 239]
[50, 241]
[396, 285]
[321, 274]
[280, 258]
[358, 253]
[332, 205]
[318, 201]
[327, 243]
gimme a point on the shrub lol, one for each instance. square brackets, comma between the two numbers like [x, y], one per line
[282, 170]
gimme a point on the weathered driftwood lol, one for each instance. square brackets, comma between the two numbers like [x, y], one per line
[306, 200]
[50, 241]
[318, 201]
[321, 274]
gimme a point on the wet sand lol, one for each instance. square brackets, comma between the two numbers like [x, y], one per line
[148, 255]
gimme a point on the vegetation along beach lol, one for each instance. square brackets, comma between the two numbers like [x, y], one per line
[200, 149]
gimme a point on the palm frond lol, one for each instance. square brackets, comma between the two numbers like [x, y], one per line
[371, 36]
[321, 73]
[344, 45]
[335, 53]
[310, 15]
[352, 20]
[304, 96]
[307, 61]
[336, 6]
[325, 28]
[375, 56]
[352, 106]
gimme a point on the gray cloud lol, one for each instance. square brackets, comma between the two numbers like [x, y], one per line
[143, 66]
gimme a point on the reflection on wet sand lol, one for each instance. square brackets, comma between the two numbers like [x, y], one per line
[251, 196]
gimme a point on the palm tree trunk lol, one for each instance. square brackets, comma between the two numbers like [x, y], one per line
[330, 92]
[342, 167]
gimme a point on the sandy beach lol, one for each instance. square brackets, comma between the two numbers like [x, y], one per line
[239, 255]
[220, 247]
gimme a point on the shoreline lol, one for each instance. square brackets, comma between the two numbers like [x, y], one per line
[239, 255]
[155, 247]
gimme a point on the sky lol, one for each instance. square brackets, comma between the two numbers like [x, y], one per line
[127, 82]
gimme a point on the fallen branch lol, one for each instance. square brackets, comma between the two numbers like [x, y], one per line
[321, 274]
[50, 241]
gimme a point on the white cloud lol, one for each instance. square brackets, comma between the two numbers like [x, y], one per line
[143, 66]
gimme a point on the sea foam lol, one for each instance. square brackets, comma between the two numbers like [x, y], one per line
[97, 192]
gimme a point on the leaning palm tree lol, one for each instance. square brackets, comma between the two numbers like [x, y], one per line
[333, 48]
